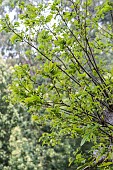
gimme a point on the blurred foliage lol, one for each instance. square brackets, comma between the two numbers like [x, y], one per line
[8, 116]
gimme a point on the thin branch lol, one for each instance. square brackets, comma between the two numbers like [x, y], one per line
[30, 44]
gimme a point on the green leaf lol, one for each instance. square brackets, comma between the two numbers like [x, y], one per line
[105, 164]
[85, 139]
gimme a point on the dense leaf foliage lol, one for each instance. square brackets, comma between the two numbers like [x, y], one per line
[75, 96]
[8, 116]
[20, 147]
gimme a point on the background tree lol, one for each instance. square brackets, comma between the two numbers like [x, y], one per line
[8, 116]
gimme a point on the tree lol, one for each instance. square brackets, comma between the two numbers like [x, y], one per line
[75, 98]
[7, 116]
